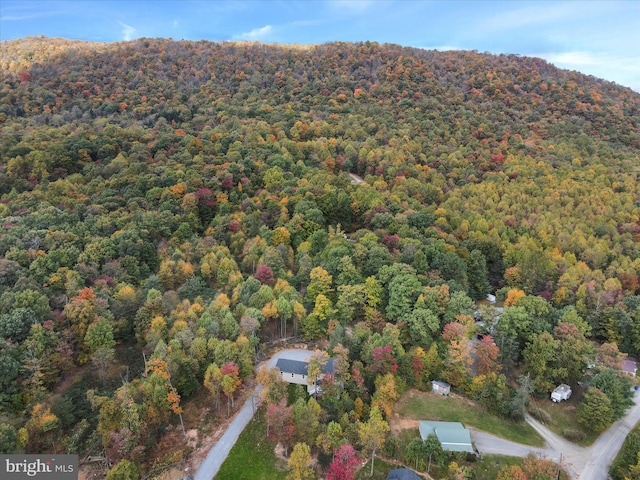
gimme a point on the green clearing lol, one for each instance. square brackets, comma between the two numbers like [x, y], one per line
[485, 468]
[404, 438]
[428, 406]
[488, 466]
[252, 457]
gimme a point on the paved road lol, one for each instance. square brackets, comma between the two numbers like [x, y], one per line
[218, 453]
[598, 458]
[581, 463]
[489, 444]
[570, 456]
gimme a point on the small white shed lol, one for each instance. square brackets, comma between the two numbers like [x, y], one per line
[562, 392]
[442, 388]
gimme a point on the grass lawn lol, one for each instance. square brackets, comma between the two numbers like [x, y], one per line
[563, 417]
[405, 437]
[488, 466]
[252, 457]
[429, 406]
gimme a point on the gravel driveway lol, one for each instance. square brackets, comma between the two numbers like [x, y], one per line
[488, 444]
[218, 453]
[581, 463]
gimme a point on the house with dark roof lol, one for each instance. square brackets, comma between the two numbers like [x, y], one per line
[403, 474]
[296, 371]
[452, 435]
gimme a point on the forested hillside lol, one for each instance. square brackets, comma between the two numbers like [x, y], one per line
[192, 201]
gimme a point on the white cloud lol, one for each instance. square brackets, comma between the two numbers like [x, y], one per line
[175, 24]
[570, 58]
[604, 60]
[21, 11]
[528, 16]
[28, 16]
[255, 34]
[623, 70]
[128, 32]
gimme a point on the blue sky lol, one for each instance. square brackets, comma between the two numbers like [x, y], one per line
[600, 38]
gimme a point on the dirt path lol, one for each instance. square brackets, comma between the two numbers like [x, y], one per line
[355, 179]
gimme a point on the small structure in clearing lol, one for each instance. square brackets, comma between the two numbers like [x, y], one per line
[562, 392]
[440, 387]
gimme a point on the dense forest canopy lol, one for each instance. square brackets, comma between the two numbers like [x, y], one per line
[192, 200]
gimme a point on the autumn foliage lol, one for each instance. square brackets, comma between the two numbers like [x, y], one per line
[187, 203]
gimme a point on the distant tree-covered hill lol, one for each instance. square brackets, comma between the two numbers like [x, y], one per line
[193, 200]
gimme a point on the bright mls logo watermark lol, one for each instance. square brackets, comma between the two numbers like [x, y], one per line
[52, 467]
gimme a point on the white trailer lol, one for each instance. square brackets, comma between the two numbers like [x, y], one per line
[562, 392]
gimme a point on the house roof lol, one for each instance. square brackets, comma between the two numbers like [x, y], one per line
[300, 367]
[292, 366]
[402, 474]
[452, 435]
[562, 388]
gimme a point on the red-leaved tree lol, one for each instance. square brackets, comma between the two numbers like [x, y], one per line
[487, 356]
[264, 275]
[454, 331]
[280, 427]
[382, 360]
[230, 382]
[344, 464]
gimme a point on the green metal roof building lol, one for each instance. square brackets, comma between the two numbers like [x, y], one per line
[452, 435]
